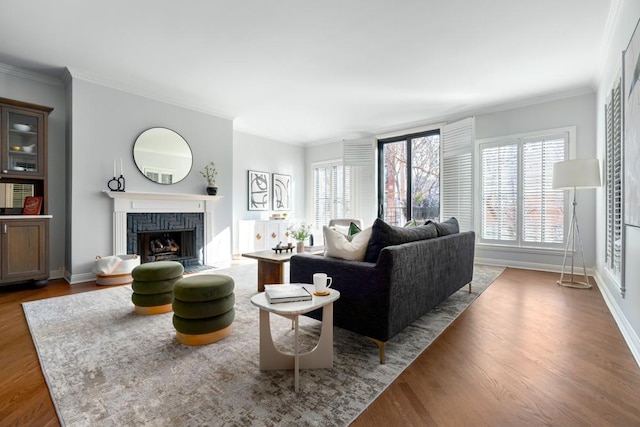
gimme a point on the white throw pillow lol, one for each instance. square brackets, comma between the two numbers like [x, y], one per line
[337, 245]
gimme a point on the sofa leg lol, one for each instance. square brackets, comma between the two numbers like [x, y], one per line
[381, 346]
[469, 287]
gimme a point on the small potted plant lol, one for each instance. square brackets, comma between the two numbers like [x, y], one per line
[300, 232]
[209, 173]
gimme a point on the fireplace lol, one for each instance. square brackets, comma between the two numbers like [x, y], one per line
[210, 248]
[166, 237]
[175, 245]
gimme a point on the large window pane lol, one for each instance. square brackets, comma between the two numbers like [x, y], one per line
[395, 182]
[410, 192]
[425, 177]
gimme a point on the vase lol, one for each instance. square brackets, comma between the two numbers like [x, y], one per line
[212, 190]
[300, 246]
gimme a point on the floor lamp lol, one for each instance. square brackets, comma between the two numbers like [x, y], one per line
[574, 174]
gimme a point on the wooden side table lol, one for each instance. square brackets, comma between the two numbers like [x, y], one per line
[320, 357]
[271, 265]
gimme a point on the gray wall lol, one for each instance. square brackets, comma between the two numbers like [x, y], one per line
[105, 125]
[50, 93]
[625, 310]
[251, 152]
[578, 111]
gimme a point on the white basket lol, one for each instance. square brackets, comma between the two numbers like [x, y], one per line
[115, 270]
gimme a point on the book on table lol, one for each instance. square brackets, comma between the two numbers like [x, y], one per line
[286, 293]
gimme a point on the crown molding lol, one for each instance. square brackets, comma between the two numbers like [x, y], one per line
[75, 73]
[607, 39]
[30, 75]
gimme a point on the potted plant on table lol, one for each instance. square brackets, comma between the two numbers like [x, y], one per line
[300, 232]
[209, 173]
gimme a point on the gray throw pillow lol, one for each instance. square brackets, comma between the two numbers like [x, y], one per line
[447, 227]
[383, 235]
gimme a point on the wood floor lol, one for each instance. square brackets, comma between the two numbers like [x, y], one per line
[527, 352]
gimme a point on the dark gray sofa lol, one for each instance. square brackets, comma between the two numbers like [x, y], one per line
[379, 299]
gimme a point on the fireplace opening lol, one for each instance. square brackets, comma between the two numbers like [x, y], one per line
[167, 245]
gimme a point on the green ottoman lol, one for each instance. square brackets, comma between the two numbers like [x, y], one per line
[203, 308]
[153, 284]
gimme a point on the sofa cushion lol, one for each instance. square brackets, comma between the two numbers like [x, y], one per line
[348, 230]
[353, 248]
[383, 235]
[447, 227]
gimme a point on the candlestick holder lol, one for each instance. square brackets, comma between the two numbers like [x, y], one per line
[116, 184]
[121, 183]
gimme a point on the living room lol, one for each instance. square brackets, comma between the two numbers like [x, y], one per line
[95, 121]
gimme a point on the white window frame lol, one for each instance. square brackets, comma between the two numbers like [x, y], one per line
[518, 244]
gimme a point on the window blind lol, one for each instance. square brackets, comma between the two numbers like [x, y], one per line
[613, 185]
[518, 204]
[322, 196]
[543, 207]
[456, 177]
[332, 193]
[359, 179]
[499, 170]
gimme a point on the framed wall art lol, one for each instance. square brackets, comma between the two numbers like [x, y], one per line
[281, 192]
[631, 141]
[258, 191]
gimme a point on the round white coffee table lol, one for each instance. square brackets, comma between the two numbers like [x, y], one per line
[320, 357]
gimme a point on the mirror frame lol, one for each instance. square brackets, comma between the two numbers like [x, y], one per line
[175, 139]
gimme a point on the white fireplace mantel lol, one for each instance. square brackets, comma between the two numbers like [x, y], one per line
[131, 202]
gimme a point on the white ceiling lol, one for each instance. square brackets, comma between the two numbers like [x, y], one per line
[304, 71]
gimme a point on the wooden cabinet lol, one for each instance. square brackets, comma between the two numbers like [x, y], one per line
[256, 236]
[24, 240]
[23, 249]
[23, 140]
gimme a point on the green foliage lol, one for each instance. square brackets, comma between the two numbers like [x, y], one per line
[300, 231]
[209, 173]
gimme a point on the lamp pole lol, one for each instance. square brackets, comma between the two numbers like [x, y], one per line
[574, 231]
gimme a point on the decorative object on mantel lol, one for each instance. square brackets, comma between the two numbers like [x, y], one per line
[209, 173]
[116, 184]
[300, 231]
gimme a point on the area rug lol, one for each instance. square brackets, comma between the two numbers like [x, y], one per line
[107, 366]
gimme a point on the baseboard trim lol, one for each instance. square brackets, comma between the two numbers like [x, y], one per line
[80, 278]
[529, 266]
[632, 339]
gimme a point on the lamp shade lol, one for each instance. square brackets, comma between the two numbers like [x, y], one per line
[576, 173]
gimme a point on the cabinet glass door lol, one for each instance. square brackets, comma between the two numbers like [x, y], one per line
[22, 143]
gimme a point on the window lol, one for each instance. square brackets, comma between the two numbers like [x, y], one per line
[517, 204]
[332, 193]
[613, 176]
[409, 167]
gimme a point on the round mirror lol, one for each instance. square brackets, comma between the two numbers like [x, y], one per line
[162, 155]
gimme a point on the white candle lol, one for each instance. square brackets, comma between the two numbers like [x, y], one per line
[114, 168]
[121, 170]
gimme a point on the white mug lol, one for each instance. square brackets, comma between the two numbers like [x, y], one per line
[322, 282]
